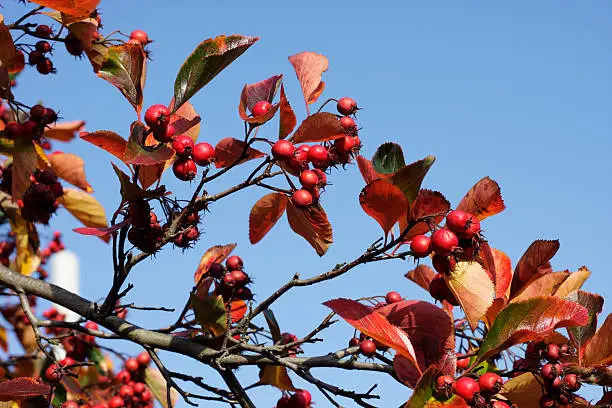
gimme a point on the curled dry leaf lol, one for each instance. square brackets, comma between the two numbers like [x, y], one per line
[217, 253]
[230, 151]
[535, 261]
[483, 200]
[309, 67]
[384, 202]
[421, 275]
[312, 224]
[264, 215]
[287, 120]
[64, 131]
[70, 168]
[319, 127]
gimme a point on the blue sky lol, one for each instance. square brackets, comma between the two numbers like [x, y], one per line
[518, 91]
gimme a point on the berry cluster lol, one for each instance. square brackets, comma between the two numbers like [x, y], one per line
[299, 399]
[189, 154]
[477, 391]
[458, 240]
[139, 37]
[190, 232]
[146, 232]
[41, 199]
[231, 280]
[297, 160]
[31, 129]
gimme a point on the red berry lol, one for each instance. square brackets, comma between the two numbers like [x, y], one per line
[164, 134]
[456, 221]
[216, 270]
[43, 30]
[50, 116]
[37, 114]
[157, 116]
[571, 382]
[393, 297]
[346, 106]
[283, 150]
[438, 289]
[116, 402]
[462, 362]
[552, 352]
[228, 279]
[354, 342]
[30, 130]
[143, 359]
[466, 388]
[367, 348]
[234, 262]
[45, 67]
[317, 154]
[184, 169]
[550, 371]
[472, 228]
[349, 125]
[145, 396]
[443, 241]
[43, 46]
[126, 391]
[309, 179]
[73, 45]
[35, 57]
[244, 294]
[91, 325]
[283, 402]
[261, 108]
[139, 36]
[420, 246]
[12, 130]
[183, 145]
[302, 198]
[131, 364]
[70, 404]
[445, 385]
[490, 383]
[322, 177]
[240, 278]
[547, 402]
[298, 160]
[345, 145]
[499, 404]
[53, 373]
[203, 154]
[300, 399]
[123, 377]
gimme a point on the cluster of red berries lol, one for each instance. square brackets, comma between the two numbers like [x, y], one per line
[190, 232]
[39, 56]
[7, 248]
[32, 129]
[299, 399]
[321, 156]
[189, 154]
[231, 280]
[131, 392]
[145, 233]
[458, 240]
[139, 37]
[477, 391]
[41, 199]
[289, 338]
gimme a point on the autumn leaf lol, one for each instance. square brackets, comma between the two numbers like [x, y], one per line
[530, 320]
[64, 131]
[124, 66]
[581, 335]
[138, 154]
[483, 200]
[3, 339]
[25, 161]
[84, 207]
[598, 351]
[230, 151]
[107, 140]
[574, 281]
[272, 325]
[71, 168]
[238, 309]
[384, 202]
[473, 288]
[157, 384]
[185, 120]
[534, 261]
[312, 224]
[206, 62]
[424, 389]
[374, 325]
[261, 91]
[287, 120]
[264, 215]
[523, 390]
[366, 168]
[318, 127]
[27, 242]
[410, 177]
[217, 253]
[210, 312]
[276, 376]
[104, 233]
[388, 158]
[426, 204]
[75, 8]
[503, 272]
[23, 388]
[545, 285]
[421, 275]
[309, 67]
[9, 57]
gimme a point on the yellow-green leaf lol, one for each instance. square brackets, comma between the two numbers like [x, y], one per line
[84, 207]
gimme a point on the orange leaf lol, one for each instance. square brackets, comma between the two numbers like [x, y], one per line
[276, 376]
[3, 339]
[524, 390]
[421, 275]
[64, 131]
[374, 325]
[218, 253]
[384, 202]
[238, 309]
[426, 204]
[366, 168]
[483, 200]
[185, 120]
[109, 141]
[287, 116]
[598, 351]
[473, 288]
[312, 224]
[9, 57]
[25, 161]
[309, 67]
[71, 168]
[23, 388]
[503, 272]
[264, 215]
[230, 150]
[84, 207]
[76, 8]
[534, 261]
[545, 285]
[318, 127]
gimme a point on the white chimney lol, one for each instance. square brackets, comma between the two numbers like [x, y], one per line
[65, 273]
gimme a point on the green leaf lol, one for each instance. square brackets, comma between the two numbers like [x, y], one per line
[273, 325]
[424, 389]
[410, 177]
[96, 356]
[59, 395]
[210, 313]
[138, 154]
[206, 62]
[388, 158]
[124, 66]
[593, 303]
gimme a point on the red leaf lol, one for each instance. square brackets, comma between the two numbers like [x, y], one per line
[75, 8]
[218, 253]
[309, 68]
[25, 161]
[102, 232]
[374, 325]
[185, 120]
[421, 275]
[534, 261]
[384, 202]
[582, 335]
[107, 140]
[599, 350]
[312, 224]
[230, 150]
[503, 272]
[237, 310]
[261, 91]
[9, 56]
[138, 153]
[264, 215]
[319, 127]
[410, 177]
[426, 204]
[406, 371]
[23, 388]
[483, 200]
[287, 116]
[71, 168]
[366, 168]
[530, 320]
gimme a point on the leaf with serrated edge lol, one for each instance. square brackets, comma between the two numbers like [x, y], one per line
[473, 288]
[70, 168]
[318, 127]
[309, 67]
[483, 200]
[287, 119]
[261, 91]
[229, 152]
[124, 66]
[534, 261]
[311, 223]
[264, 215]
[599, 349]
[388, 158]
[426, 204]
[107, 140]
[384, 202]
[581, 335]
[545, 285]
[210, 313]
[23, 388]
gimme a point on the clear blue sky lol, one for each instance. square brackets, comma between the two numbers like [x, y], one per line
[519, 91]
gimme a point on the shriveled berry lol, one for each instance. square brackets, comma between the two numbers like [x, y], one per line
[131, 364]
[467, 388]
[203, 154]
[157, 116]
[140, 36]
[367, 348]
[234, 262]
[346, 106]
[490, 383]
[283, 150]
[261, 108]
[183, 145]
[393, 297]
[309, 179]
[185, 169]
[143, 359]
[302, 198]
[420, 246]
[317, 154]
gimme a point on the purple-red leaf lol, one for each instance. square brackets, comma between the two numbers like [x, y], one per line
[312, 224]
[366, 168]
[535, 261]
[483, 200]
[309, 67]
[384, 202]
[318, 127]
[287, 116]
[23, 388]
[421, 275]
[102, 232]
[426, 204]
[218, 253]
[230, 151]
[581, 336]
[261, 91]
[264, 215]
[598, 351]
[25, 161]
